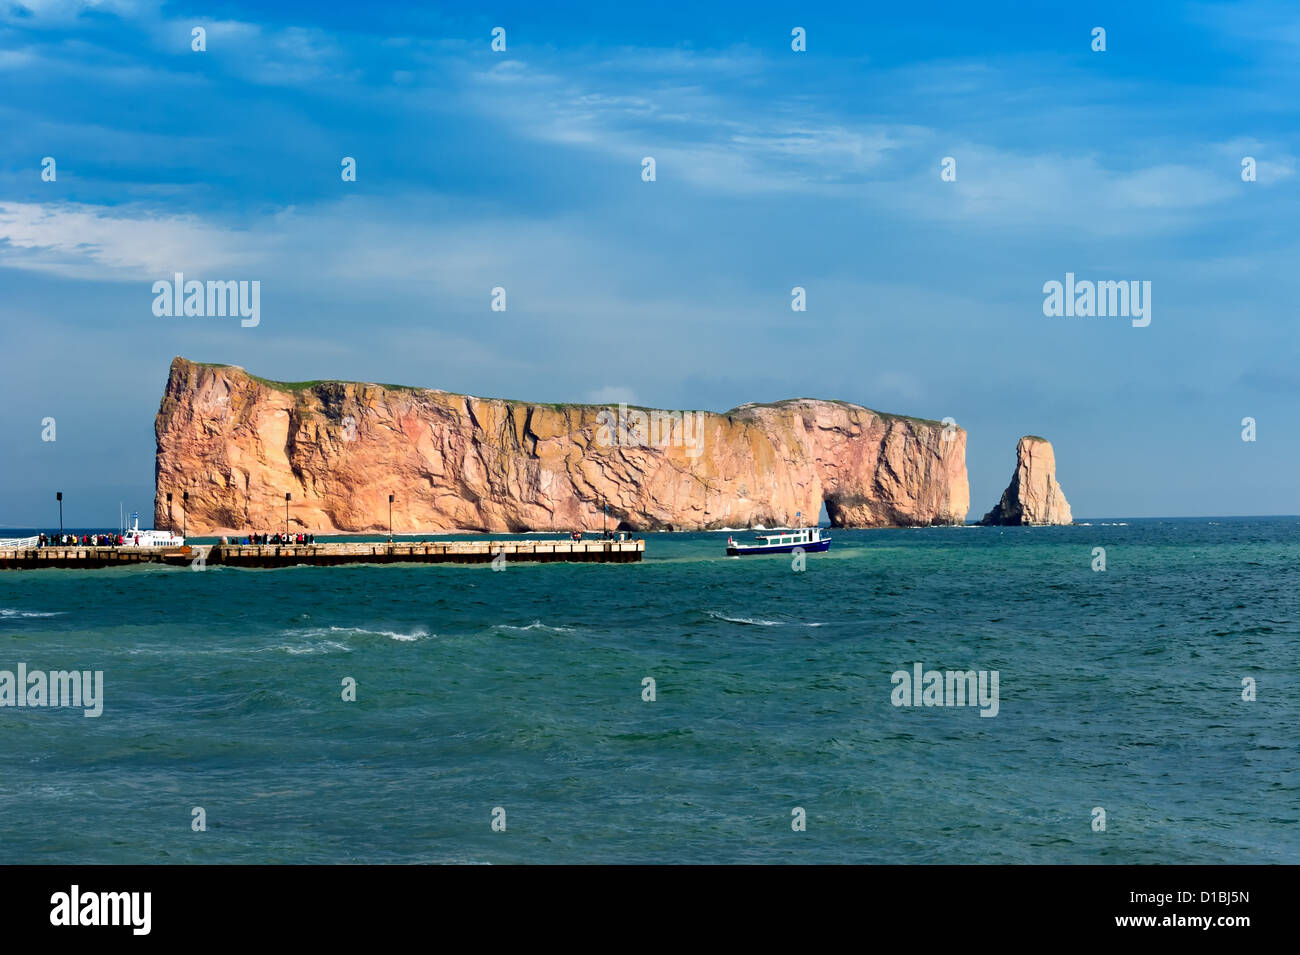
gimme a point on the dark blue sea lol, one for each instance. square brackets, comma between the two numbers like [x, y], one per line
[1119, 689]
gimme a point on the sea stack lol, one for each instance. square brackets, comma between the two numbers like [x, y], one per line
[238, 444]
[1033, 496]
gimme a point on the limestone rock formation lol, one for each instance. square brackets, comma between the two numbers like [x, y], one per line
[1033, 497]
[237, 444]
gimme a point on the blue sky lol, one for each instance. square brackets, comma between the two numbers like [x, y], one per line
[775, 169]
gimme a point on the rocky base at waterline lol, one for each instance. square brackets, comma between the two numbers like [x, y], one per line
[237, 444]
[1033, 497]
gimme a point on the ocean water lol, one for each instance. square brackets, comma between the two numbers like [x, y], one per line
[522, 690]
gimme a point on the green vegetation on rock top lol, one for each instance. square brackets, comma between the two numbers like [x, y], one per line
[304, 385]
[295, 386]
[846, 404]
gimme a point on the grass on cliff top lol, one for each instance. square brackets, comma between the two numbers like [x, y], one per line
[295, 386]
[308, 385]
[304, 385]
[847, 404]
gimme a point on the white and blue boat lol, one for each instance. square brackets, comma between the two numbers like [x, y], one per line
[807, 539]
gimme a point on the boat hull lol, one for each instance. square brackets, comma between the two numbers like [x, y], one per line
[749, 550]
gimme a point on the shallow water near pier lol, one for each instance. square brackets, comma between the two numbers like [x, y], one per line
[522, 689]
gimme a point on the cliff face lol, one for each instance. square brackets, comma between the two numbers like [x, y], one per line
[238, 444]
[1033, 497]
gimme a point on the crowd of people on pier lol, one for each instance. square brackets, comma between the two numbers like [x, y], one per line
[275, 539]
[118, 540]
[606, 535]
[82, 540]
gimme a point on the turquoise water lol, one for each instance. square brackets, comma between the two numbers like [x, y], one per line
[522, 689]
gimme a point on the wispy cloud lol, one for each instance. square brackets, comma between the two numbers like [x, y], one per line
[60, 13]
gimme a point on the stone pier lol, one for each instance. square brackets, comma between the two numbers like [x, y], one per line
[328, 554]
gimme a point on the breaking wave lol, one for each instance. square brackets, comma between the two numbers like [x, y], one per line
[418, 633]
[760, 622]
[536, 625]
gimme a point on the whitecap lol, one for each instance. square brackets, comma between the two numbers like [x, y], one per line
[536, 625]
[760, 622]
[417, 634]
[748, 621]
[323, 646]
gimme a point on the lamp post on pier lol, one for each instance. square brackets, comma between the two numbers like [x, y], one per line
[185, 514]
[286, 516]
[59, 497]
[171, 522]
[390, 518]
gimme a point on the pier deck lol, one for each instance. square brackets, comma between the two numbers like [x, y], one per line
[328, 554]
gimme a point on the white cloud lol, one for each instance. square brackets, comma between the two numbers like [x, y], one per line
[98, 242]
